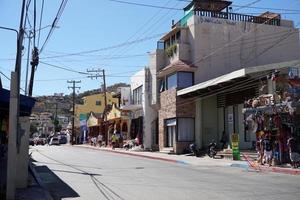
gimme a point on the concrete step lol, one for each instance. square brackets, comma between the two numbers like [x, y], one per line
[167, 150]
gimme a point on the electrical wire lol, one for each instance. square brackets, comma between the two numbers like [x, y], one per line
[54, 23]
[41, 19]
[107, 48]
[144, 5]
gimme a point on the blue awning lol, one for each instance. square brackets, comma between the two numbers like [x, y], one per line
[26, 103]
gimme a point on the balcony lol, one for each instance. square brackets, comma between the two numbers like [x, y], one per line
[229, 16]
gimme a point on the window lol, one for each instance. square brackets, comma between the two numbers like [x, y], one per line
[180, 80]
[172, 81]
[137, 95]
[185, 79]
[98, 103]
[186, 129]
[162, 86]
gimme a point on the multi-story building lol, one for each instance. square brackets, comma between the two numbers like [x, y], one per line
[208, 49]
[94, 103]
[143, 115]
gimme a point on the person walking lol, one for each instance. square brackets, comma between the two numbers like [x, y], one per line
[224, 140]
[267, 149]
[113, 140]
[294, 155]
[99, 139]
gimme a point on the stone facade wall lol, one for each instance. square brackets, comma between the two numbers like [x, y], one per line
[172, 106]
[167, 110]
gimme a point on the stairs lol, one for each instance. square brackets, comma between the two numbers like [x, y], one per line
[167, 150]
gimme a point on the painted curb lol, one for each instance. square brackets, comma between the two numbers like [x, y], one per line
[40, 182]
[137, 155]
[269, 169]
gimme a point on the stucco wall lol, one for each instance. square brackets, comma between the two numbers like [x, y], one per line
[142, 78]
[236, 45]
[90, 104]
[209, 120]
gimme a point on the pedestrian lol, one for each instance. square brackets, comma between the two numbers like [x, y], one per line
[100, 138]
[294, 155]
[259, 150]
[113, 140]
[224, 140]
[267, 148]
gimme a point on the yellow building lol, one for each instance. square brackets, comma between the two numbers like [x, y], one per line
[94, 103]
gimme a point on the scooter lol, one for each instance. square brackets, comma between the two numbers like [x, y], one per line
[194, 150]
[212, 152]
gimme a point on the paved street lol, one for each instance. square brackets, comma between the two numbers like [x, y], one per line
[82, 173]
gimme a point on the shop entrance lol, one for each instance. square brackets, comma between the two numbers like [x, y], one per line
[170, 132]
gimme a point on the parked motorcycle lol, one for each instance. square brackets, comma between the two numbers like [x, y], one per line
[212, 152]
[194, 149]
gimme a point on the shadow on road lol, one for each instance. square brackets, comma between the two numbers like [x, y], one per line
[57, 188]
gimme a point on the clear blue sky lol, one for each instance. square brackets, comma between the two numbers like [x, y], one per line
[97, 24]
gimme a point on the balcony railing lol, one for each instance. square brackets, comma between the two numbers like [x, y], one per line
[230, 16]
[239, 17]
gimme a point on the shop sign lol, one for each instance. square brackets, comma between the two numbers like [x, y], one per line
[294, 72]
[230, 118]
[235, 146]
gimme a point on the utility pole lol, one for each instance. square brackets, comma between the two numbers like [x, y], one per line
[14, 110]
[34, 63]
[96, 73]
[35, 54]
[73, 138]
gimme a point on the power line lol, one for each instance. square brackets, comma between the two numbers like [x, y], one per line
[64, 68]
[144, 25]
[254, 7]
[145, 5]
[54, 23]
[107, 48]
[41, 18]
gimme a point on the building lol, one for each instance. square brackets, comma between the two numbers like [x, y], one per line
[94, 103]
[143, 115]
[208, 45]
[14, 152]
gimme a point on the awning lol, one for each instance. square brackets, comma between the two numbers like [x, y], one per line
[176, 66]
[132, 107]
[236, 78]
[26, 103]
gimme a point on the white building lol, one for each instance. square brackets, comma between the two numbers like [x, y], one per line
[143, 116]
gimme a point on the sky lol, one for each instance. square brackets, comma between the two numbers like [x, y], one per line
[122, 35]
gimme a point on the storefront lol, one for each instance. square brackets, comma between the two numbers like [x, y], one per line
[220, 102]
[276, 114]
[118, 122]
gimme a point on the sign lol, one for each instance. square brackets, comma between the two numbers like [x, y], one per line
[235, 146]
[230, 118]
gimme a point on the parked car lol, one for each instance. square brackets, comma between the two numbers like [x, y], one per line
[41, 141]
[63, 140]
[54, 141]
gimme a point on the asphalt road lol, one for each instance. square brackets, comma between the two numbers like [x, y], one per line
[80, 173]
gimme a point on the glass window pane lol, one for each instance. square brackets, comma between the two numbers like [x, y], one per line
[185, 79]
[172, 81]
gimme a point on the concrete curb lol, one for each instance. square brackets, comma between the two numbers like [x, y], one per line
[238, 165]
[40, 182]
[269, 169]
[138, 155]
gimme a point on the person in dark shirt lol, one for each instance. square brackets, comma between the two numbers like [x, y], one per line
[294, 155]
[267, 148]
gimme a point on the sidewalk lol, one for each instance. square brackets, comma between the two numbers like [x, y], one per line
[35, 189]
[197, 161]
